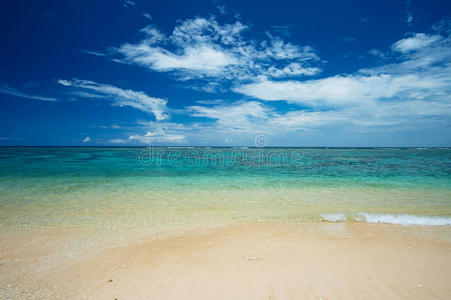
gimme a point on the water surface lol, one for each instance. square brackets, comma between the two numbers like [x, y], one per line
[163, 187]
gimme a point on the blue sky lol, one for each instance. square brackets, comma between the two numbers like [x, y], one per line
[303, 73]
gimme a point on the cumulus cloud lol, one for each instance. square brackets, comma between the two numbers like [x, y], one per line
[202, 48]
[86, 139]
[120, 97]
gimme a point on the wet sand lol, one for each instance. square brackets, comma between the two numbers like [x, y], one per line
[243, 261]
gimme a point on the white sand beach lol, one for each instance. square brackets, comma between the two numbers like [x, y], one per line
[243, 261]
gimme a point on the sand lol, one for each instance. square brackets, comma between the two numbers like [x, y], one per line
[241, 261]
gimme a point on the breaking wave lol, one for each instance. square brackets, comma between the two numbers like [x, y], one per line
[401, 219]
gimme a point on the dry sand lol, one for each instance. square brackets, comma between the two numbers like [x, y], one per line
[246, 261]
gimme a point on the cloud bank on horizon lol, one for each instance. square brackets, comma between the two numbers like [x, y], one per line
[246, 82]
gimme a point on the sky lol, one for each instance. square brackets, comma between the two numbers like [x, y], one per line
[225, 73]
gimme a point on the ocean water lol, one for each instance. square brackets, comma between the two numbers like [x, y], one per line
[168, 186]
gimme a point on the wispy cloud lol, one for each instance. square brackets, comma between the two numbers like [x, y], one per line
[222, 9]
[377, 53]
[129, 3]
[283, 30]
[409, 12]
[147, 16]
[93, 52]
[363, 19]
[120, 97]
[443, 26]
[5, 89]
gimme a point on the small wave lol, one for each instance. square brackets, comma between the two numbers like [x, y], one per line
[334, 217]
[400, 219]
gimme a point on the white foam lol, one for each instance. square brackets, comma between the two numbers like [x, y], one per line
[403, 219]
[400, 219]
[334, 217]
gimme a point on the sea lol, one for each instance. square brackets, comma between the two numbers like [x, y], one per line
[165, 187]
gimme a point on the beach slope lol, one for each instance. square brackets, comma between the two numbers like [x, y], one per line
[245, 261]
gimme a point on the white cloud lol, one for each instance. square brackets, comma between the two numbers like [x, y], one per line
[377, 53]
[156, 137]
[417, 41]
[423, 73]
[129, 3]
[120, 97]
[118, 141]
[5, 89]
[239, 122]
[204, 59]
[155, 133]
[344, 90]
[443, 26]
[86, 139]
[222, 9]
[279, 49]
[93, 52]
[304, 119]
[208, 87]
[409, 12]
[153, 35]
[238, 116]
[292, 69]
[202, 48]
[147, 16]
[410, 93]
[282, 30]
[256, 117]
[64, 82]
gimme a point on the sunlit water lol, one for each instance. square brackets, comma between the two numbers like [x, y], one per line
[164, 187]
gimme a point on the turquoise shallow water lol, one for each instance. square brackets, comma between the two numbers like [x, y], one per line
[53, 186]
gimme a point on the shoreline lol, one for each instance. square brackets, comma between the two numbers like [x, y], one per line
[261, 260]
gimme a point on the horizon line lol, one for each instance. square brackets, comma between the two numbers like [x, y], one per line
[206, 146]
